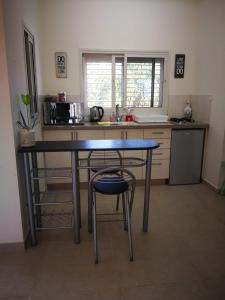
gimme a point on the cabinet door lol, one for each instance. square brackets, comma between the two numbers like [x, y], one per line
[160, 156]
[132, 134]
[163, 143]
[160, 133]
[160, 169]
[114, 134]
[57, 159]
[87, 135]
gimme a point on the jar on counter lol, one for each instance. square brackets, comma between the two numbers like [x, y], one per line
[129, 116]
[62, 97]
[188, 111]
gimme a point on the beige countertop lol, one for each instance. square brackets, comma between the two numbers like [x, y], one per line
[126, 125]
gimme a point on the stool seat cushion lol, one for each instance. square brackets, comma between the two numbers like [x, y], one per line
[111, 185]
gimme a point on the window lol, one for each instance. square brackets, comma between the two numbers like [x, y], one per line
[127, 80]
[31, 70]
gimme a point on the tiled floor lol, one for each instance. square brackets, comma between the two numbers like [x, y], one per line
[182, 257]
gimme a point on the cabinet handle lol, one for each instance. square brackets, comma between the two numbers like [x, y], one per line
[157, 132]
[77, 136]
[156, 163]
[157, 153]
[126, 135]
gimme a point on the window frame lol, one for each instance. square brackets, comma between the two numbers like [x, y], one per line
[126, 54]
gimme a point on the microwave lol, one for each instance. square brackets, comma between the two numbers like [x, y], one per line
[63, 113]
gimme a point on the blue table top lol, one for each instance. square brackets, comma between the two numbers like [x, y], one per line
[89, 145]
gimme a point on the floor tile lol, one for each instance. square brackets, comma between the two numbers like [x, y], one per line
[181, 257]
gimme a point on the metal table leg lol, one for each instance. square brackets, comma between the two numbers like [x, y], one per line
[29, 198]
[76, 195]
[36, 187]
[147, 189]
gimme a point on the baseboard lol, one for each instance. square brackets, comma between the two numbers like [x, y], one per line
[159, 181]
[12, 247]
[27, 240]
[210, 185]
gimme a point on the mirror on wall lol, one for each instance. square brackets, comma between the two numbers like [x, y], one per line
[31, 70]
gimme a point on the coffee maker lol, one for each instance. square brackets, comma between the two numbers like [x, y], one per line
[63, 113]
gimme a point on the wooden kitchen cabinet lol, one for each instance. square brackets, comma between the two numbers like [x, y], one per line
[133, 134]
[160, 156]
[116, 134]
[57, 159]
[63, 160]
[86, 135]
[89, 134]
[159, 133]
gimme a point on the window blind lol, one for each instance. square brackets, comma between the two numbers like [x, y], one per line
[105, 80]
[98, 83]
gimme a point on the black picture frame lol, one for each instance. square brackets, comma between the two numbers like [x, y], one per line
[61, 64]
[179, 65]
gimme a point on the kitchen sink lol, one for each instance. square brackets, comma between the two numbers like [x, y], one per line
[120, 123]
[123, 123]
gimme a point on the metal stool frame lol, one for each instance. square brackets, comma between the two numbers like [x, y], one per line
[128, 196]
[103, 159]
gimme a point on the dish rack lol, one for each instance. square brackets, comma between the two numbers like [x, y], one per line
[151, 119]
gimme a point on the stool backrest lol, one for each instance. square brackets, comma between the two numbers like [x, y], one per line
[98, 160]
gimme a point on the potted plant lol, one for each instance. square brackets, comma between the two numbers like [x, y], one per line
[27, 135]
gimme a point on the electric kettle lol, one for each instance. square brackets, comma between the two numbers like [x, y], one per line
[96, 113]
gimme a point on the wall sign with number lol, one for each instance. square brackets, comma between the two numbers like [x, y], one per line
[61, 64]
[179, 65]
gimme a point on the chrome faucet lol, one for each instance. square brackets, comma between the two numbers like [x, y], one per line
[118, 117]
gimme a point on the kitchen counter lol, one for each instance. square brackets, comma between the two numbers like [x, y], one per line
[125, 125]
[160, 132]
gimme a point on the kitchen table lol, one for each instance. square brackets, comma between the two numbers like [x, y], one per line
[74, 147]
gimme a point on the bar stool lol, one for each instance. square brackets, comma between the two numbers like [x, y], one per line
[98, 160]
[113, 181]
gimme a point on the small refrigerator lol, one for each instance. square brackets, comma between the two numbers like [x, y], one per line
[186, 156]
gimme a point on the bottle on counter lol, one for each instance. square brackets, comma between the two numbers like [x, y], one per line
[113, 117]
[188, 111]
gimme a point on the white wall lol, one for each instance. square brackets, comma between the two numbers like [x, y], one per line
[195, 28]
[10, 217]
[211, 80]
[117, 25]
[17, 13]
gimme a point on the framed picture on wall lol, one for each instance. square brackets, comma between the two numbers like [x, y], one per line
[179, 65]
[61, 64]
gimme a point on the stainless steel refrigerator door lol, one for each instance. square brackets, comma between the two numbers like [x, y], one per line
[186, 156]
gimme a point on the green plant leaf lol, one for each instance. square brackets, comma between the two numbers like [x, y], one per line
[25, 99]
